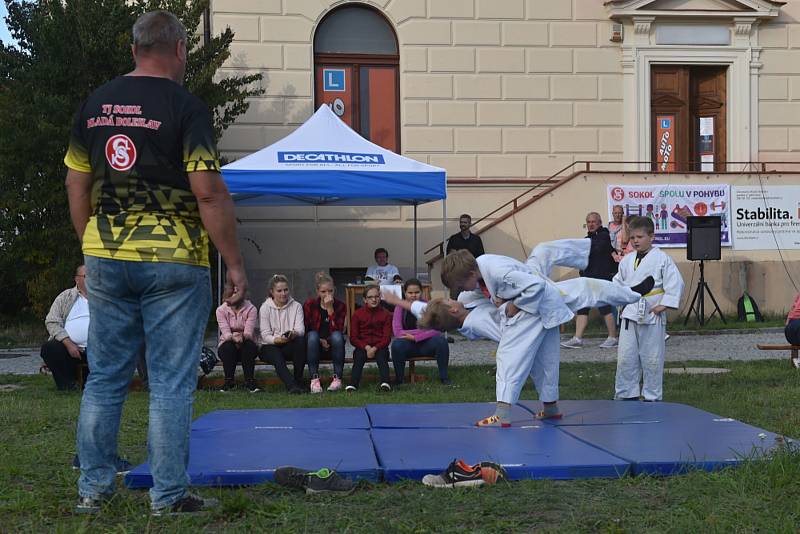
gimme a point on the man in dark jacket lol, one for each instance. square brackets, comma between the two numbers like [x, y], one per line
[601, 265]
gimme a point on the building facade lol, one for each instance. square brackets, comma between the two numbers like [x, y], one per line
[504, 92]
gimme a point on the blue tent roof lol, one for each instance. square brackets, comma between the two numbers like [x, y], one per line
[324, 162]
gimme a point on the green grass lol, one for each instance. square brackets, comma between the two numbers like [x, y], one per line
[37, 485]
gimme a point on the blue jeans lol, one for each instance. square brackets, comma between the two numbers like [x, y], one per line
[314, 349]
[163, 307]
[403, 349]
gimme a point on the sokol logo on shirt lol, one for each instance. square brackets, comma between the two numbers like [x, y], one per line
[120, 152]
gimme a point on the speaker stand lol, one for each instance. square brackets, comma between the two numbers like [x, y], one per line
[699, 298]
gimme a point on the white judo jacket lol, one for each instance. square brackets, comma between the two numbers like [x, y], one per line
[510, 279]
[668, 284]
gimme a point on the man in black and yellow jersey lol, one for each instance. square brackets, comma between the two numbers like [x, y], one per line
[145, 195]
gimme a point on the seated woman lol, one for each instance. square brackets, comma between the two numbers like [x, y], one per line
[237, 340]
[282, 329]
[412, 341]
[325, 316]
[370, 334]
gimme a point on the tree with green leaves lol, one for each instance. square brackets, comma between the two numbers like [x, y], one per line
[64, 50]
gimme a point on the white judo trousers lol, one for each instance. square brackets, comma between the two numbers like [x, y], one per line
[641, 354]
[526, 349]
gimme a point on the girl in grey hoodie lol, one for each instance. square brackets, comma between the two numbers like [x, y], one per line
[283, 333]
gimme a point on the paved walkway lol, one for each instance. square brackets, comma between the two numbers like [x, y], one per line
[718, 346]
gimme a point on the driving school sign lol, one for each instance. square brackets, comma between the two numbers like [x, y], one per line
[665, 142]
[669, 205]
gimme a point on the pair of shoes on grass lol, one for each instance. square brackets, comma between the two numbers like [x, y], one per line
[460, 474]
[188, 504]
[385, 387]
[335, 385]
[250, 384]
[313, 482]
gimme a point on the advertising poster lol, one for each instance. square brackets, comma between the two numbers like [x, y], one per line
[665, 142]
[766, 218]
[669, 205]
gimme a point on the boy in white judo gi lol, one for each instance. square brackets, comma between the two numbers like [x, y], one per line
[529, 327]
[642, 335]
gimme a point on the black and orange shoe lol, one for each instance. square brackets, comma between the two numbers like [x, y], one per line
[457, 475]
[493, 421]
[492, 472]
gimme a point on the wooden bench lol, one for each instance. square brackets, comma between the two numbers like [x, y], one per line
[793, 352]
[412, 374]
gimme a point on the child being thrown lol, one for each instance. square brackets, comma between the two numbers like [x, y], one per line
[526, 327]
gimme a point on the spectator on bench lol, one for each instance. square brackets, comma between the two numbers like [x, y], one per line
[412, 341]
[325, 317]
[282, 329]
[370, 334]
[67, 323]
[238, 340]
[383, 272]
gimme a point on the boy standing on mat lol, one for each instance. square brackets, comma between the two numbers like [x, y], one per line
[644, 323]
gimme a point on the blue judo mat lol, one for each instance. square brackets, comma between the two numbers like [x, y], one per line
[406, 441]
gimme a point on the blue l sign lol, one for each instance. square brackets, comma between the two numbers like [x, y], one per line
[333, 80]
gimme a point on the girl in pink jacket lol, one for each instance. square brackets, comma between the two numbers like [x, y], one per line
[238, 340]
[412, 341]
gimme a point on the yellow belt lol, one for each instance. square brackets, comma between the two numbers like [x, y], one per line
[654, 293]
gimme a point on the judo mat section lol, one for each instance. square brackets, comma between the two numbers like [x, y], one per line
[393, 442]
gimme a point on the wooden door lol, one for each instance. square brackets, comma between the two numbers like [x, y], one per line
[364, 92]
[708, 96]
[669, 107]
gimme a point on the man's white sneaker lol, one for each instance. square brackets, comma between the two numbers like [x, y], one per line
[609, 343]
[574, 343]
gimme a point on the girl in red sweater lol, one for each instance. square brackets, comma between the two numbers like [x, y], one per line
[370, 334]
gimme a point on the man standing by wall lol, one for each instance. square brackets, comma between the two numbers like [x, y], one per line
[464, 239]
[602, 266]
[145, 194]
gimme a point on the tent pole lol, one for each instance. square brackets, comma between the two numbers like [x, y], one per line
[414, 275]
[444, 224]
[219, 279]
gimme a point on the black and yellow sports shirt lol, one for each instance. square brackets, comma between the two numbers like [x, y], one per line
[139, 136]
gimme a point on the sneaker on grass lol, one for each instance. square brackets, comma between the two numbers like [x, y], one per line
[188, 504]
[351, 389]
[336, 384]
[316, 387]
[457, 475]
[91, 505]
[252, 386]
[574, 343]
[385, 386]
[609, 343]
[313, 482]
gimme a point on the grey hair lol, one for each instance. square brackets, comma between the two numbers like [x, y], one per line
[599, 218]
[158, 31]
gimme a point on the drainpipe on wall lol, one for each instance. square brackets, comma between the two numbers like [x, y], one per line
[207, 24]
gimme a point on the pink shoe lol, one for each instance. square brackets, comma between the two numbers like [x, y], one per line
[336, 384]
[316, 387]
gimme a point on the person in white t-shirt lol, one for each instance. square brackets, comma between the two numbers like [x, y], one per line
[67, 323]
[383, 272]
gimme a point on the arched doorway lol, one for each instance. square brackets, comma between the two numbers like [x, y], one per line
[356, 69]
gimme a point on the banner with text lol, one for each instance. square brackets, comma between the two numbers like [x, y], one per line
[669, 205]
[766, 218]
